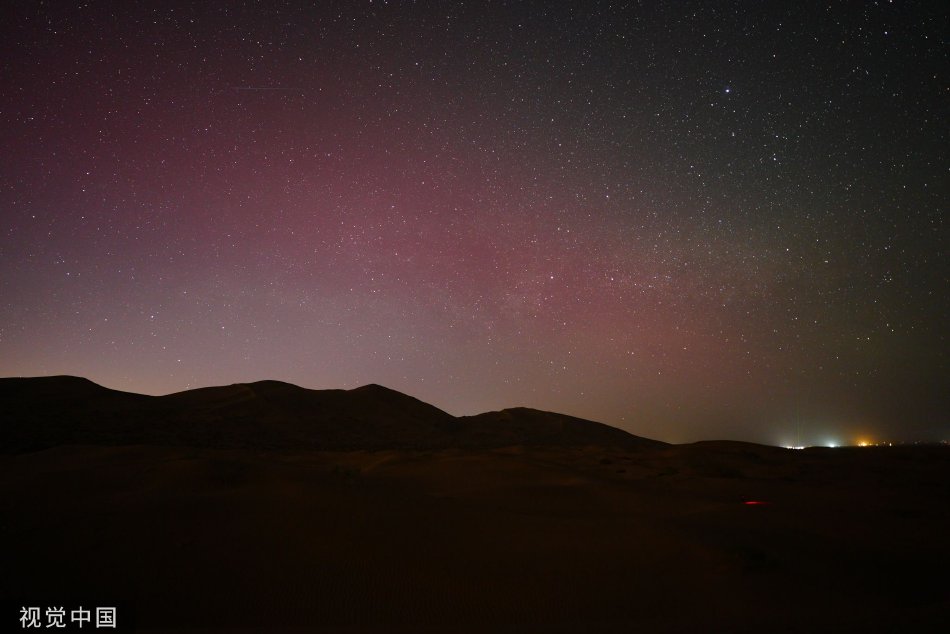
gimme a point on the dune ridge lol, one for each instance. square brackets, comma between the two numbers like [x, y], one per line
[42, 412]
[269, 508]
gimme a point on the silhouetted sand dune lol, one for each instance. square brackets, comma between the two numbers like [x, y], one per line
[528, 426]
[580, 528]
[47, 411]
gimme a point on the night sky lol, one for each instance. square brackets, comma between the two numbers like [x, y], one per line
[691, 220]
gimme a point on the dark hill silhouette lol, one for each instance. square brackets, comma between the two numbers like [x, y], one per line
[513, 426]
[514, 521]
[43, 412]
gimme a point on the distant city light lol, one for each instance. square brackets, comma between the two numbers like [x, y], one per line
[835, 445]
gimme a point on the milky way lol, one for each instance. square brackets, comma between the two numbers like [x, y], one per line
[687, 219]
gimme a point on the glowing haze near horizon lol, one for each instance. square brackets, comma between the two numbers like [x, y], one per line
[687, 219]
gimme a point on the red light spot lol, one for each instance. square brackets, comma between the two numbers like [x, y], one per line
[755, 503]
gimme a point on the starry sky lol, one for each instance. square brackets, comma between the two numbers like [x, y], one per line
[689, 219]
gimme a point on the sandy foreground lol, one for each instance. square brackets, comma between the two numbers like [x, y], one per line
[502, 540]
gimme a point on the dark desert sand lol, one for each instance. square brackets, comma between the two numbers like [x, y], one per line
[223, 510]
